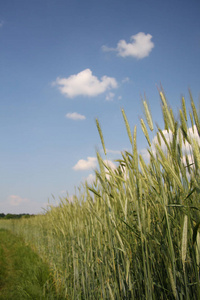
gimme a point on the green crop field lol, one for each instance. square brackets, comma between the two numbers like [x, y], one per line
[134, 232]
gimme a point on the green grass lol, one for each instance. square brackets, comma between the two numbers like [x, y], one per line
[23, 275]
[133, 233]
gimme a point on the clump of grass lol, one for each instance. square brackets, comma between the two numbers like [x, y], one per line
[133, 233]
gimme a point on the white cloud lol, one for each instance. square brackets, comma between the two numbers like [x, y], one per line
[1, 23]
[84, 84]
[91, 163]
[139, 47]
[82, 164]
[110, 96]
[75, 116]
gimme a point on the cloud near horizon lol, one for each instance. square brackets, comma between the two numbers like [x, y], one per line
[139, 47]
[15, 200]
[85, 84]
[75, 116]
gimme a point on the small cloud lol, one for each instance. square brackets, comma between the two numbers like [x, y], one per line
[75, 116]
[139, 47]
[82, 164]
[126, 79]
[120, 98]
[107, 49]
[110, 96]
[15, 200]
[1, 23]
[84, 84]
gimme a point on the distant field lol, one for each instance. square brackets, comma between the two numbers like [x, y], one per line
[134, 232]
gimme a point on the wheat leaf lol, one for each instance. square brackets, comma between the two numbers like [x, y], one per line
[184, 241]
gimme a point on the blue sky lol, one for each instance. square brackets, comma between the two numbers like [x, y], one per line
[63, 64]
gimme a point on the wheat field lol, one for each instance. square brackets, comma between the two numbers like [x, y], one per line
[134, 232]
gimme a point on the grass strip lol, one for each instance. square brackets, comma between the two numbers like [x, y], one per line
[23, 275]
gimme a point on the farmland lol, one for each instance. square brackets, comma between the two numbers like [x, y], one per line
[134, 232]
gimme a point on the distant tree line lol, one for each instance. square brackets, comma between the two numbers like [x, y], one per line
[14, 216]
